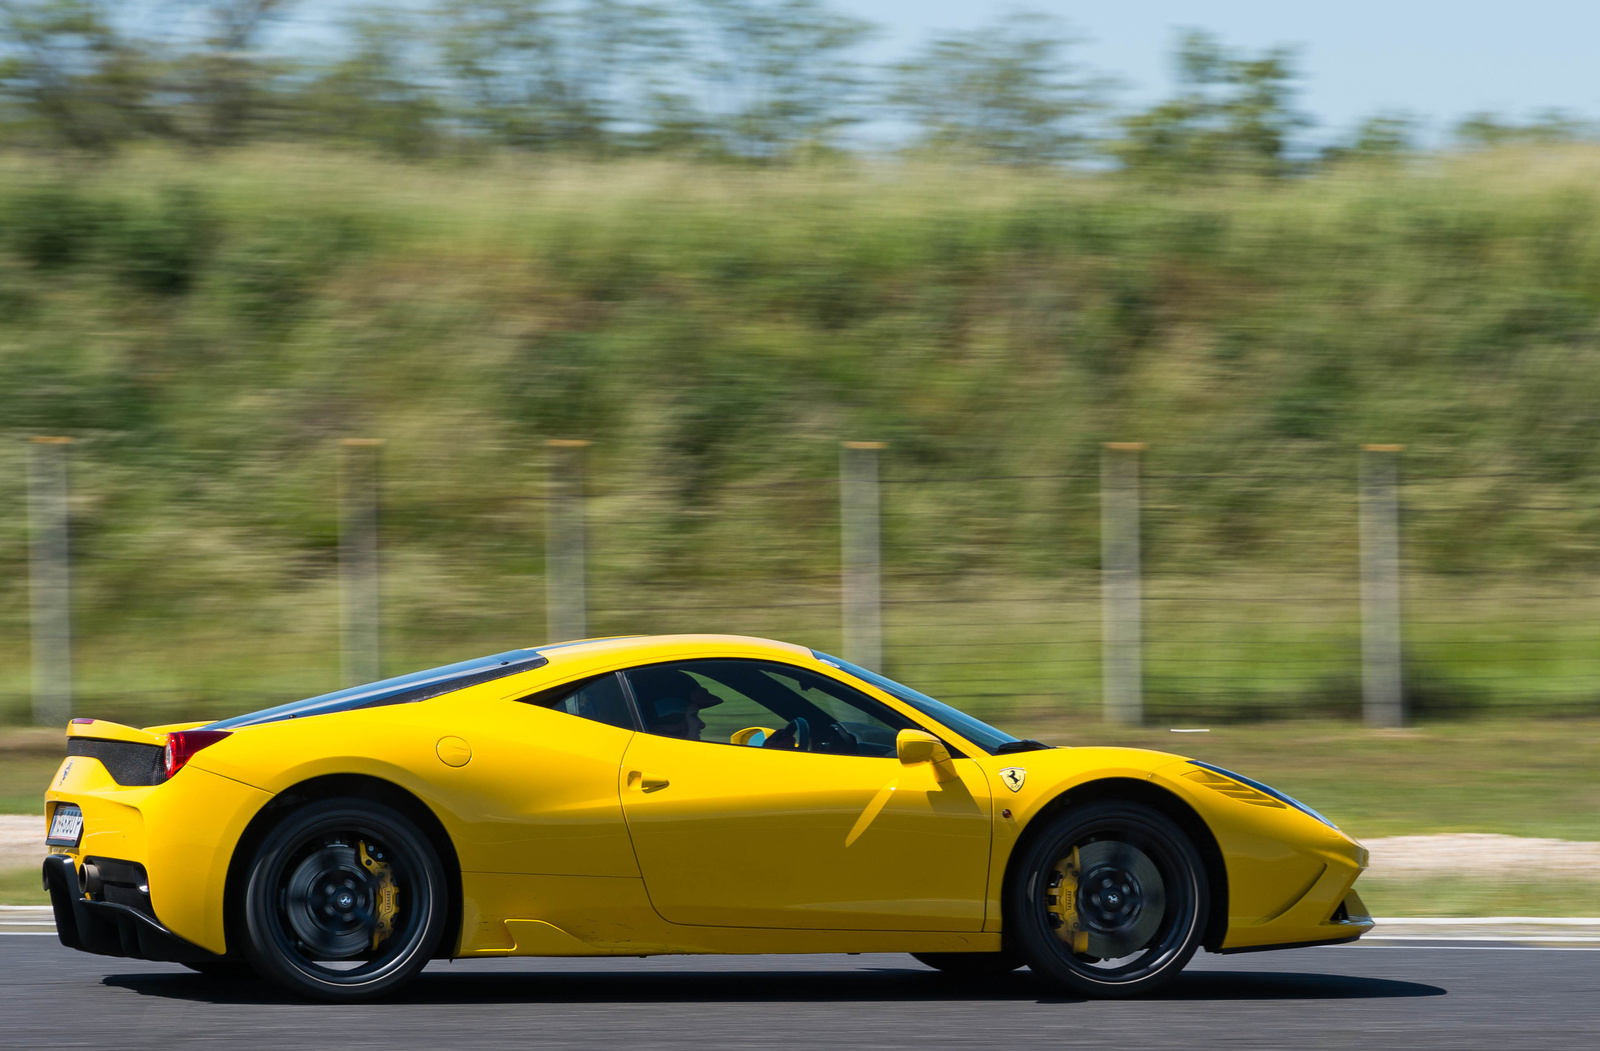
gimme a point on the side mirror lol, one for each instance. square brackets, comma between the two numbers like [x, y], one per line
[754, 736]
[917, 746]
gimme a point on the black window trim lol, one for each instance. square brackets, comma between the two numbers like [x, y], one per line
[633, 701]
[638, 716]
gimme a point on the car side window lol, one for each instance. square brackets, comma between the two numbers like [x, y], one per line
[763, 704]
[600, 699]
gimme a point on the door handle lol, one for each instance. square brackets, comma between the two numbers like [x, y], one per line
[644, 783]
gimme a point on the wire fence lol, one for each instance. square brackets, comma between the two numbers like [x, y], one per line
[992, 590]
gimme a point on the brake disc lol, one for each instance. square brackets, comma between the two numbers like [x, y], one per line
[326, 900]
[1121, 898]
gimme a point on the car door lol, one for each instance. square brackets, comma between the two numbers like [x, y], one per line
[821, 830]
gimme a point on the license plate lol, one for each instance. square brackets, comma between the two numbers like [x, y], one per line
[66, 827]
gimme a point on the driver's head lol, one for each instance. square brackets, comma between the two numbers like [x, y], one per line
[673, 701]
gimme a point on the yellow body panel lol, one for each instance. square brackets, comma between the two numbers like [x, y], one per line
[748, 837]
[183, 833]
[569, 844]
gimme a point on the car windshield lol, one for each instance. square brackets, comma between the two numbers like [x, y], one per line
[975, 730]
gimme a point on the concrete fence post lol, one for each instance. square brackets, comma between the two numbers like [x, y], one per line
[360, 587]
[1382, 689]
[860, 554]
[566, 605]
[1122, 662]
[49, 581]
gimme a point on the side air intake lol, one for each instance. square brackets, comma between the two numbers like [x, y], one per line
[1233, 789]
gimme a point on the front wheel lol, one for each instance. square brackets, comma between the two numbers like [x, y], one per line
[1108, 900]
[345, 901]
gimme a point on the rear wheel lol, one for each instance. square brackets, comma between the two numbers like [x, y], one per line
[1108, 900]
[971, 964]
[345, 901]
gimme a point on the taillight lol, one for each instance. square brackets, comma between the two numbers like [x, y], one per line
[183, 744]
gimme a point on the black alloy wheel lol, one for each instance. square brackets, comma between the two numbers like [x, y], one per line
[345, 901]
[1108, 900]
[971, 964]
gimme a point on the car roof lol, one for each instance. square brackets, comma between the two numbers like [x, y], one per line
[644, 648]
[557, 660]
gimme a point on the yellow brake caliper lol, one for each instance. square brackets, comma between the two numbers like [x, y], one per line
[1062, 903]
[386, 900]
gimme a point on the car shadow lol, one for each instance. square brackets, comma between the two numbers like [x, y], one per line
[1290, 985]
[439, 986]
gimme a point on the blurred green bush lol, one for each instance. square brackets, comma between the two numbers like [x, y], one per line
[209, 325]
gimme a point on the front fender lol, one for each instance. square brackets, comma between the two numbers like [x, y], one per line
[1047, 775]
[1286, 871]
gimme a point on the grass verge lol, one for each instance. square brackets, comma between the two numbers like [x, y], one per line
[28, 759]
[1510, 776]
[1449, 896]
[22, 887]
[1514, 777]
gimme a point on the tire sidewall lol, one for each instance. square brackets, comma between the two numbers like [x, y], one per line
[1036, 940]
[267, 868]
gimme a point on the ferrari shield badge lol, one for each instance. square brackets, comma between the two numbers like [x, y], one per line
[1013, 776]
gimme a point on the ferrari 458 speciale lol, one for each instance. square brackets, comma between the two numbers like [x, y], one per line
[668, 794]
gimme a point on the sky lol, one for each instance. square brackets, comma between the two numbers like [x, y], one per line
[1439, 61]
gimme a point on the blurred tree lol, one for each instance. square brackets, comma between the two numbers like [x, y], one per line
[630, 59]
[1487, 130]
[781, 74]
[71, 75]
[1232, 114]
[374, 93]
[227, 81]
[1381, 136]
[498, 53]
[534, 74]
[1006, 92]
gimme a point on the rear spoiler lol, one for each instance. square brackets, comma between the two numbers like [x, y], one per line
[106, 730]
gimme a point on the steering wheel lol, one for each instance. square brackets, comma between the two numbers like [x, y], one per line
[796, 730]
[841, 740]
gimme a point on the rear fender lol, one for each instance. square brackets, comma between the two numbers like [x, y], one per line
[361, 786]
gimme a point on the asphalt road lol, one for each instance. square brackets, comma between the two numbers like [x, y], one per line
[1446, 996]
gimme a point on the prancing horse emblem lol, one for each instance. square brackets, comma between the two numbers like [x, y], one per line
[1013, 776]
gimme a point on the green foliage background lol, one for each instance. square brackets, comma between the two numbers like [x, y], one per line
[209, 326]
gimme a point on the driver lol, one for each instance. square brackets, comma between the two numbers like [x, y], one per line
[675, 700]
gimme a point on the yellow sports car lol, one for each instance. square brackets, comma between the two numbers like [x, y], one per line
[668, 794]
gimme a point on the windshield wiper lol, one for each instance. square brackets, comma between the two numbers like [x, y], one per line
[1021, 746]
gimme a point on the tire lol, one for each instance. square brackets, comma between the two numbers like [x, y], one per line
[314, 901]
[1141, 901]
[971, 964]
